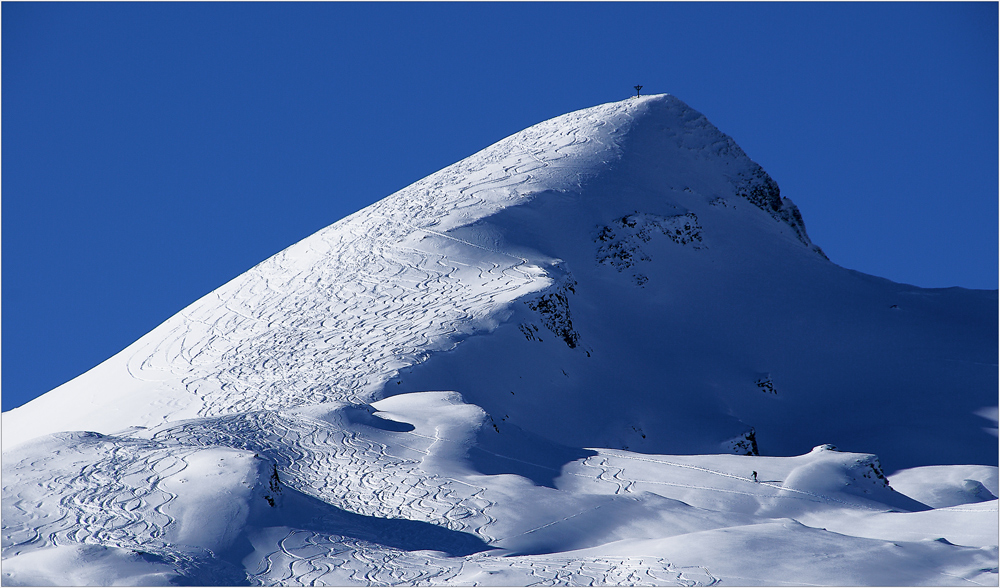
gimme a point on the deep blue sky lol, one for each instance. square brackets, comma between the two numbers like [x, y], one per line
[152, 152]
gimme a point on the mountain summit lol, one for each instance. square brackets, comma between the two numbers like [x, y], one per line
[621, 277]
[626, 266]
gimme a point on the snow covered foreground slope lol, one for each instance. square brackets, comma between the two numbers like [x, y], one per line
[552, 362]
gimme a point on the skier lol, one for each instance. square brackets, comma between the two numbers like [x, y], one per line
[755, 476]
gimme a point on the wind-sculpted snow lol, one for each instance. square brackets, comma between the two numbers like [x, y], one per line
[597, 352]
[387, 495]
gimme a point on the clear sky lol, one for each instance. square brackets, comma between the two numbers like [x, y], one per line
[153, 151]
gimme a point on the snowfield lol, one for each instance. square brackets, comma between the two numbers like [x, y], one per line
[602, 351]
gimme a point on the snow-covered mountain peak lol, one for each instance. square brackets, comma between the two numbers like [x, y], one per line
[443, 258]
[601, 348]
[650, 142]
[634, 236]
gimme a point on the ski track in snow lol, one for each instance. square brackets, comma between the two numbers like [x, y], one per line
[365, 477]
[342, 468]
[379, 271]
[626, 485]
[116, 501]
[352, 564]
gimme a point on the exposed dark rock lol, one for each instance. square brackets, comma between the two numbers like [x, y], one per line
[766, 384]
[762, 191]
[745, 444]
[620, 242]
[529, 331]
[553, 309]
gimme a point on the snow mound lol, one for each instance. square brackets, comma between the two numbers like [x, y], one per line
[942, 486]
[399, 492]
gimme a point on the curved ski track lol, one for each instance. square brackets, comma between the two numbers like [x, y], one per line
[116, 500]
[110, 495]
[335, 316]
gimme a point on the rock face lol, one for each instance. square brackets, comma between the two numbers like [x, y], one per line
[621, 277]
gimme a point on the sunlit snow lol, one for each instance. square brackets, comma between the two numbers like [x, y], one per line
[603, 350]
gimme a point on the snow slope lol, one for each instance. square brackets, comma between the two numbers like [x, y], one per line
[552, 362]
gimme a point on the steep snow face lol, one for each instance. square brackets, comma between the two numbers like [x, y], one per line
[689, 313]
[554, 362]
[334, 316]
